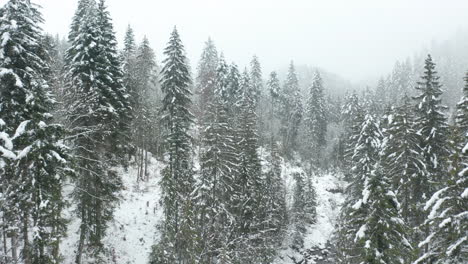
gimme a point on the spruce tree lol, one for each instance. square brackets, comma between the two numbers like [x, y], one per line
[381, 236]
[177, 183]
[146, 132]
[291, 111]
[257, 81]
[366, 146]
[98, 116]
[33, 160]
[315, 121]
[401, 158]
[234, 92]
[447, 208]
[431, 127]
[222, 80]
[215, 188]
[273, 88]
[206, 77]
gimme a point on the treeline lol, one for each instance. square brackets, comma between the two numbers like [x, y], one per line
[408, 178]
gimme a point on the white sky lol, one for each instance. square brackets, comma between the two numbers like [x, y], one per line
[357, 39]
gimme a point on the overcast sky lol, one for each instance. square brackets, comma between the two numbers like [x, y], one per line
[357, 39]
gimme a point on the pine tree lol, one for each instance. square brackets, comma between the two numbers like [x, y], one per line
[130, 80]
[234, 92]
[98, 116]
[273, 87]
[315, 121]
[146, 131]
[222, 80]
[206, 78]
[353, 116]
[33, 161]
[215, 190]
[250, 200]
[431, 126]
[291, 112]
[365, 155]
[177, 183]
[257, 81]
[276, 195]
[447, 207]
[401, 158]
[381, 236]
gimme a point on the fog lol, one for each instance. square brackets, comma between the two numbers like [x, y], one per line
[357, 39]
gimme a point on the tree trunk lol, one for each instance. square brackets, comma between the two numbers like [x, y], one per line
[26, 247]
[79, 252]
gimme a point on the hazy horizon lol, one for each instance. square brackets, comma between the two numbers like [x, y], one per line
[358, 40]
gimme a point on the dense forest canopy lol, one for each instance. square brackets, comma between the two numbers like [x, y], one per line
[227, 162]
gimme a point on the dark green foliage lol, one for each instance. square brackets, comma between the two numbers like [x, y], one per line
[177, 183]
[33, 161]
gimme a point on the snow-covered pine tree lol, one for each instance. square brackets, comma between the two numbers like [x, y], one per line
[291, 112]
[146, 132]
[365, 155]
[431, 126]
[273, 88]
[206, 77]
[303, 207]
[315, 122]
[251, 190]
[352, 117]
[447, 221]
[129, 65]
[256, 88]
[112, 77]
[215, 188]
[33, 161]
[234, 92]
[98, 117]
[276, 203]
[401, 158]
[222, 80]
[381, 236]
[177, 240]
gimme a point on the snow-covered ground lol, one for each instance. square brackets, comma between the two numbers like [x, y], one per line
[133, 231]
[329, 202]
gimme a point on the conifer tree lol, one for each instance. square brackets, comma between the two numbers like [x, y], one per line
[431, 126]
[32, 161]
[234, 92]
[206, 78]
[215, 189]
[315, 121]
[381, 236]
[177, 183]
[276, 204]
[353, 116]
[273, 87]
[401, 158]
[98, 116]
[291, 112]
[365, 155]
[447, 238]
[257, 81]
[146, 131]
[129, 54]
[222, 80]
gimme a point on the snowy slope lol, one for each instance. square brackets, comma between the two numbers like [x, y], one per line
[329, 202]
[133, 231]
